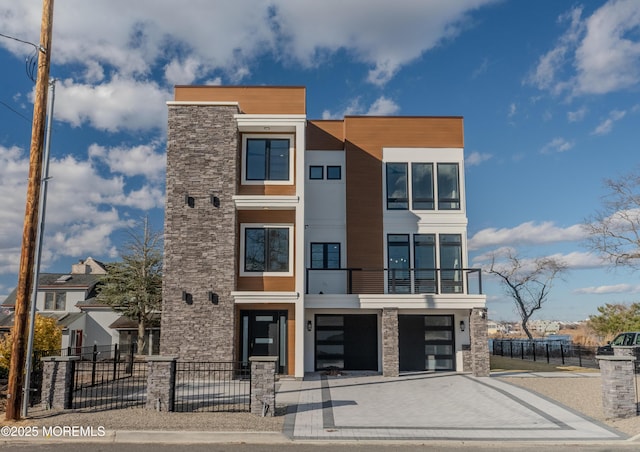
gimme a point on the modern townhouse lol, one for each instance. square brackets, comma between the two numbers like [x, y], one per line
[338, 244]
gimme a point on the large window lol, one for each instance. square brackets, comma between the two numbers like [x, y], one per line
[422, 191]
[266, 249]
[424, 263]
[325, 255]
[267, 159]
[399, 278]
[451, 262]
[448, 186]
[55, 301]
[397, 192]
[422, 186]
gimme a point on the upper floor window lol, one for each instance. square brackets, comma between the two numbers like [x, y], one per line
[267, 159]
[325, 255]
[334, 172]
[448, 186]
[421, 189]
[55, 301]
[266, 249]
[316, 172]
[397, 192]
[422, 186]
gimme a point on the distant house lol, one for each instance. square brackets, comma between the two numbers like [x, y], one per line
[70, 298]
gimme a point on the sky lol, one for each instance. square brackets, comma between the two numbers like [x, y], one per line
[548, 91]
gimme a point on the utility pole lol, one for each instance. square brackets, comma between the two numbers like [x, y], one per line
[27, 256]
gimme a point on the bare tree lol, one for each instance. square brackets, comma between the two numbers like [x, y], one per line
[133, 286]
[527, 282]
[614, 230]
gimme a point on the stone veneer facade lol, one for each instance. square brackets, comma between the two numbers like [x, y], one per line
[200, 236]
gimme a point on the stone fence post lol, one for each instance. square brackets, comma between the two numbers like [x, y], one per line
[57, 381]
[627, 350]
[161, 376]
[618, 386]
[263, 385]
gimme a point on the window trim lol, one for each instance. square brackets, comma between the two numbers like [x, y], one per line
[241, 257]
[268, 136]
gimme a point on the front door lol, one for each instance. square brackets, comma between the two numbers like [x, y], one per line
[264, 333]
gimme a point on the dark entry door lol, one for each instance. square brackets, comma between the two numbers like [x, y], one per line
[264, 333]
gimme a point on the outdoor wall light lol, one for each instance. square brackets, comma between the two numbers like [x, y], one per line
[309, 325]
[189, 201]
[213, 298]
[461, 325]
[187, 297]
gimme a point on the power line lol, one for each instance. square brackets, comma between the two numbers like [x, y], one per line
[15, 111]
[24, 42]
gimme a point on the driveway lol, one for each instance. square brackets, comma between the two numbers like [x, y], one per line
[436, 406]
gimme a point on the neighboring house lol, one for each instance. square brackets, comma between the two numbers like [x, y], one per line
[328, 244]
[70, 299]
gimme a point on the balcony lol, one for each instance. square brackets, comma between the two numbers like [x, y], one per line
[465, 281]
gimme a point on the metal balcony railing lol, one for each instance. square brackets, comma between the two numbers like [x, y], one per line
[394, 281]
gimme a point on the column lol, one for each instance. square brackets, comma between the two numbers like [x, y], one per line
[263, 385]
[390, 343]
[161, 377]
[480, 364]
[618, 386]
[57, 381]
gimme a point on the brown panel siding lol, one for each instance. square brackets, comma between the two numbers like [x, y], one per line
[325, 135]
[365, 137]
[252, 99]
[268, 283]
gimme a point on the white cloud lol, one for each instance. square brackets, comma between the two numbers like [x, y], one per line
[557, 145]
[513, 109]
[476, 158]
[606, 126]
[383, 106]
[578, 115]
[605, 290]
[81, 207]
[596, 55]
[226, 34]
[118, 104]
[526, 233]
[138, 160]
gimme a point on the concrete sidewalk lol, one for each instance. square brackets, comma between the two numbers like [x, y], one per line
[429, 407]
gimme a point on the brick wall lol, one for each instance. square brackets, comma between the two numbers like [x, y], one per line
[199, 237]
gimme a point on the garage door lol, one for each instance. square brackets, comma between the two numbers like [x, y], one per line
[426, 342]
[346, 342]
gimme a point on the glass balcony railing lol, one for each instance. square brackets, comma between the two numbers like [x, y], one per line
[466, 281]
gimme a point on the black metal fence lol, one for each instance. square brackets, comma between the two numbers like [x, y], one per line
[551, 352]
[212, 386]
[118, 382]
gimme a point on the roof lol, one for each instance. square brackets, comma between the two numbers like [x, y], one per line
[125, 323]
[55, 281]
[63, 319]
[91, 302]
